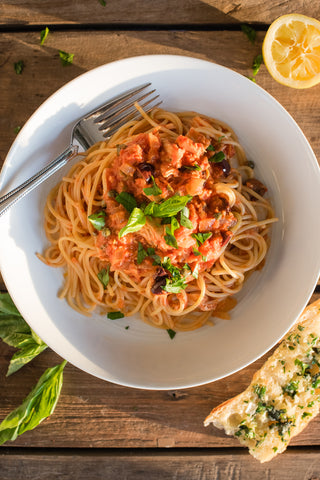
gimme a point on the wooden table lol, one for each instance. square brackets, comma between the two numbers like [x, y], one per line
[100, 430]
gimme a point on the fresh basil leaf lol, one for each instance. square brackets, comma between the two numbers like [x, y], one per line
[184, 218]
[43, 35]
[98, 220]
[171, 333]
[103, 276]
[169, 207]
[17, 130]
[217, 157]
[28, 351]
[103, 2]
[115, 315]
[127, 200]
[256, 64]
[142, 254]
[136, 221]
[154, 190]
[170, 239]
[38, 405]
[195, 271]
[201, 237]
[19, 66]
[16, 332]
[66, 58]
[249, 32]
[210, 148]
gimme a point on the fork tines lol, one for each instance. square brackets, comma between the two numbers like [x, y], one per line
[121, 110]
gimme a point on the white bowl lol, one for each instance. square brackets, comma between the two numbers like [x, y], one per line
[272, 299]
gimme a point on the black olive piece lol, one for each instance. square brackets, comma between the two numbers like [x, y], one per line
[145, 170]
[160, 281]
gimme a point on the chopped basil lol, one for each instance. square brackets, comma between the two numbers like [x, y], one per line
[210, 148]
[184, 218]
[154, 190]
[17, 130]
[167, 208]
[195, 272]
[249, 32]
[103, 2]
[306, 414]
[98, 220]
[150, 252]
[136, 221]
[115, 315]
[201, 237]
[217, 157]
[170, 239]
[256, 64]
[192, 167]
[171, 333]
[301, 328]
[66, 58]
[127, 200]
[19, 66]
[304, 366]
[103, 276]
[177, 282]
[43, 35]
[260, 390]
[246, 431]
[291, 389]
[120, 147]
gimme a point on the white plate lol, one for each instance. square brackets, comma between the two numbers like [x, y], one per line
[271, 300]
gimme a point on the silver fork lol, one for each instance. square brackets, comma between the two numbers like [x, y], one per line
[97, 125]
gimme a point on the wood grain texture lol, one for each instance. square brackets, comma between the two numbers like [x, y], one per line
[201, 465]
[43, 74]
[164, 12]
[94, 413]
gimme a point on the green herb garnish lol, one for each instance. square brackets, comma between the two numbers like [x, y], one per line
[184, 218]
[192, 167]
[98, 220]
[154, 190]
[201, 237]
[127, 200]
[43, 35]
[306, 414]
[115, 315]
[136, 221]
[217, 157]
[16, 332]
[103, 276]
[150, 252]
[66, 58]
[260, 390]
[17, 130]
[19, 66]
[171, 333]
[167, 208]
[256, 64]
[249, 32]
[210, 148]
[38, 405]
[169, 236]
[291, 389]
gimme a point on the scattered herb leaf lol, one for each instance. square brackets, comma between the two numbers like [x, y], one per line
[201, 237]
[184, 218]
[249, 32]
[66, 58]
[154, 190]
[115, 315]
[98, 220]
[19, 66]
[43, 35]
[167, 208]
[171, 333]
[17, 130]
[257, 61]
[103, 276]
[38, 405]
[217, 157]
[127, 200]
[136, 221]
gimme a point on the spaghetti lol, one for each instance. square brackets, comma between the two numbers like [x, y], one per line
[165, 218]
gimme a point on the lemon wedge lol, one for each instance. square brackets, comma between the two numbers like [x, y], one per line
[291, 50]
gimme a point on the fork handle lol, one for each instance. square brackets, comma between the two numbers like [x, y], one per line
[10, 198]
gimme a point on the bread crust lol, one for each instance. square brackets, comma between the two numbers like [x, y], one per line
[283, 396]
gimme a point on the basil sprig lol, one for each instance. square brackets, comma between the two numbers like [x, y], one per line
[169, 236]
[184, 218]
[168, 208]
[16, 332]
[201, 237]
[38, 405]
[103, 276]
[176, 282]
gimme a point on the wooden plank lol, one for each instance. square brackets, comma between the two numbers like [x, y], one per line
[119, 417]
[43, 74]
[201, 465]
[165, 12]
